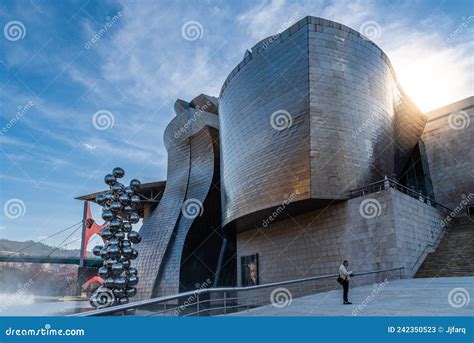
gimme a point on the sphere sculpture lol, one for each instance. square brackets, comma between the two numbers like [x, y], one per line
[118, 210]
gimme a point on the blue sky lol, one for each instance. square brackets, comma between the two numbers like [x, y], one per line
[54, 77]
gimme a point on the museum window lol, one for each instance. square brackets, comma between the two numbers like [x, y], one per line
[470, 210]
[249, 270]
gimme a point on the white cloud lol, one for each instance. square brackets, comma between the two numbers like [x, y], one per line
[430, 71]
[89, 146]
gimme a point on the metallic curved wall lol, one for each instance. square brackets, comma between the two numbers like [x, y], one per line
[351, 123]
[191, 154]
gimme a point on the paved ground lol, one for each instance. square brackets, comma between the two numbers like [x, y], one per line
[409, 297]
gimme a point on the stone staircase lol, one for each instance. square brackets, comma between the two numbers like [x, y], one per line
[455, 253]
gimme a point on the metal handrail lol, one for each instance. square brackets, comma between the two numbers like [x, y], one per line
[367, 189]
[198, 292]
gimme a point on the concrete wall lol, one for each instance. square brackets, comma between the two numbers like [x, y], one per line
[316, 242]
[449, 142]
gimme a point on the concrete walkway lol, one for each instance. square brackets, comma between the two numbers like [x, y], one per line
[409, 297]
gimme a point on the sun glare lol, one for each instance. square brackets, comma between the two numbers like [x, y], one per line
[432, 79]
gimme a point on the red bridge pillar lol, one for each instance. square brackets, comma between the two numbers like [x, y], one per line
[89, 228]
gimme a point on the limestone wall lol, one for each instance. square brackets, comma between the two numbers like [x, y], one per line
[316, 242]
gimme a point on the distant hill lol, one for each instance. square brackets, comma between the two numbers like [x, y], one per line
[32, 248]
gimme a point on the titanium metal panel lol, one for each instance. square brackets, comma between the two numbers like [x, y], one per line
[351, 123]
[165, 230]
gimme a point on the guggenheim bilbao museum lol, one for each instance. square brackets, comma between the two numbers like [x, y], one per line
[311, 154]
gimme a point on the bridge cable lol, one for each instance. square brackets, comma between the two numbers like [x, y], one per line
[59, 245]
[54, 234]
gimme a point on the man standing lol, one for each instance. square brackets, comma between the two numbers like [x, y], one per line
[345, 275]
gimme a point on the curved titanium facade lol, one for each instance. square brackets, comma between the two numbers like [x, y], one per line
[351, 123]
[191, 141]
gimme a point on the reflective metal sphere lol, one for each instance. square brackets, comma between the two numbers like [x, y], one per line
[117, 268]
[114, 229]
[134, 237]
[108, 197]
[134, 254]
[124, 199]
[135, 199]
[100, 199]
[103, 272]
[107, 215]
[132, 280]
[116, 188]
[127, 251]
[133, 218]
[131, 291]
[106, 234]
[116, 206]
[110, 262]
[122, 301]
[113, 251]
[119, 293]
[103, 252]
[120, 282]
[109, 179]
[96, 250]
[115, 223]
[118, 239]
[113, 241]
[120, 235]
[135, 184]
[125, 243]
[126, 227]
[118, 172]
[126, 264]
[109, 282]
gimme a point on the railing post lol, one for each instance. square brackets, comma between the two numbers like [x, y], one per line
[164, 309]
[420, 197]
[225, 302]
[198, 305]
